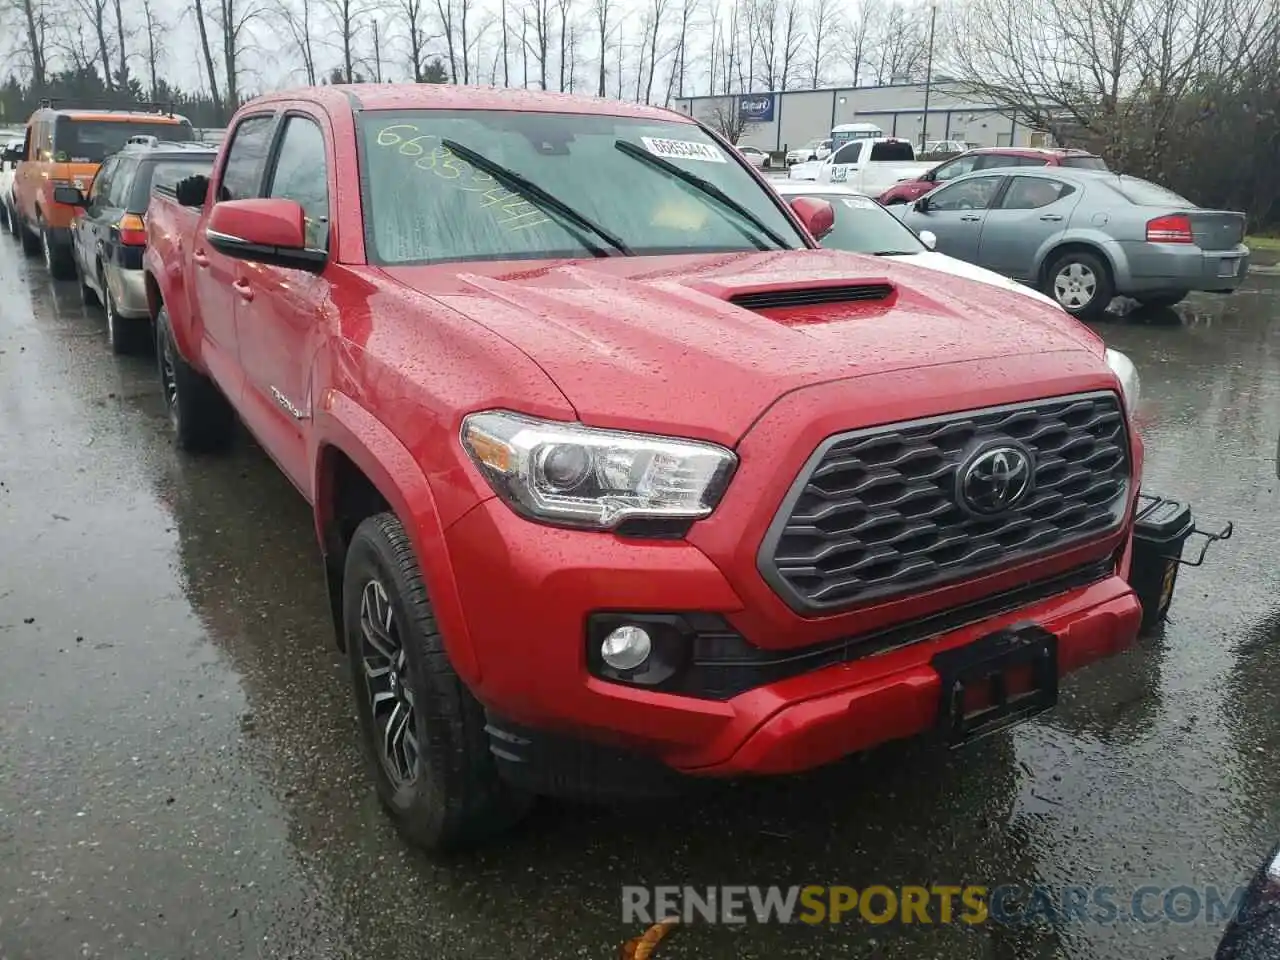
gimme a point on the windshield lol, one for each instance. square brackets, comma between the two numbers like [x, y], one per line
[92, 141]
[1084, 163]
[863, 226]
[426, 204]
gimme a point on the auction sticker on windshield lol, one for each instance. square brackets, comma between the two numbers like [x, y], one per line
[683, 150]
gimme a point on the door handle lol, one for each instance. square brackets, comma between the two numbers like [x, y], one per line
[242, 287]
[1054, 217]
[198, 256]
[971, 217]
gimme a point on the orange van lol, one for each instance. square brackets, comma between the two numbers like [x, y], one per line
[65, 147]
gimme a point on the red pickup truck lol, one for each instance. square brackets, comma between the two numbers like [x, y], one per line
[618, 477]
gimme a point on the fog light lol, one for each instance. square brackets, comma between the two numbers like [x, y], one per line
[626, 648]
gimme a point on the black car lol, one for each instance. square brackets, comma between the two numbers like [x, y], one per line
[110, 234]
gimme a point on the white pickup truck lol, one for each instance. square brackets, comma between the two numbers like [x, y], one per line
[11, 144]
[869, 167]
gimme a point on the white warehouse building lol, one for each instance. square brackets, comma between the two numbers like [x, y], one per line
[780, 120]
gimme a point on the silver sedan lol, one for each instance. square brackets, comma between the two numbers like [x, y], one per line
[1085, 236]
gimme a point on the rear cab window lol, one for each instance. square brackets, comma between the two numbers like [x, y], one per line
[92, 140]
[165, 174]
[895, 152]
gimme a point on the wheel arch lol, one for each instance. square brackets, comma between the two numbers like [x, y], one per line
[352, 482]
[1074, 244]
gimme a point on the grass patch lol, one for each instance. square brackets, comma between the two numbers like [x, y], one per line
[1270, 244]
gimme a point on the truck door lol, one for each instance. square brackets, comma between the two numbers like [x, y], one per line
[283, 323]
[1033, 209]
[218, 280]
[839, 165]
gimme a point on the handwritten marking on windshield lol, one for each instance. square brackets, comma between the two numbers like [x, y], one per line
[683, 150]
[511, 210]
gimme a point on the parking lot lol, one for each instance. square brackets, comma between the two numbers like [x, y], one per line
[179, 774]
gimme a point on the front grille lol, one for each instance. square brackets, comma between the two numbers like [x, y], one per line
[876, 513]
[812, 296]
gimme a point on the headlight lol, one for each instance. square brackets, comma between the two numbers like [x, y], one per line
[1123, 368]
[569, 474]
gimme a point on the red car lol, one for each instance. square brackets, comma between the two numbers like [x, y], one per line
[985, 158]
[614, 485]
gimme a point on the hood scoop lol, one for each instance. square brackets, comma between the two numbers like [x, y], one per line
[788, 298]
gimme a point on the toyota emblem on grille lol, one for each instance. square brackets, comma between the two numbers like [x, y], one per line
[995, 480]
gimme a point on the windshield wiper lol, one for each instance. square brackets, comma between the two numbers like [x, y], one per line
[522, 184]
[894, 253]
[705, 186]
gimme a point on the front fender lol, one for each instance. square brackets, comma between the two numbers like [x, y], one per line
[1092, 237]
[343, 424]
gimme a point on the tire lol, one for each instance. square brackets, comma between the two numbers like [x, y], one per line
[200, 415]
[1081, 283]
[30, 242]
[4, 216]
[449, 794]
[1164, 301]
[56, 259]
[124, 334]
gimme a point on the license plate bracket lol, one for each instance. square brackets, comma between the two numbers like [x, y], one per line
[987, 666]
[1229, 268]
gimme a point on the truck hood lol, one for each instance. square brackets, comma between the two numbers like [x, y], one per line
[660, 343]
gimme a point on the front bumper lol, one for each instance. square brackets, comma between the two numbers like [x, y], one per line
[1170, 267]
[527, 590]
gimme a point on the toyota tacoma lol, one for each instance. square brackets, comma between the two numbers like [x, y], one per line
[617, 487]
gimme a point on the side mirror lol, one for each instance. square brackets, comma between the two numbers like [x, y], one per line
[929, 239]
[191, 191]
[267, 231]
[817, 215]
[922, 205]
[70, 196]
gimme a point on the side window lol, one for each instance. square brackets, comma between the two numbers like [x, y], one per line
[975, 194]
[101, 186]
[29, 142]
[44, 143]
[121, 181]
[847, 154]
[247, 157]
[957, 167]
[302, 174]
[1032, 193]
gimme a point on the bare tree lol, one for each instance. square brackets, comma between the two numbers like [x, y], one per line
[823, 22]
[347, 17]
[726, 119]
[565, 9]
[506, 62]
[35, 28]
[413, 14]
[652, 28]
[232, 19]
[537, 36]
[856, 35]
[155, 30]
[93, 14]
[299, 24]
[687, 11]
[122, 56]
[206, 50]
[447, 12]
[792, 40]
[901, 43]
[762, 42]
[601, 10]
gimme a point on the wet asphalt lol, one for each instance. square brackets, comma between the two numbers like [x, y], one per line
[179, 773]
